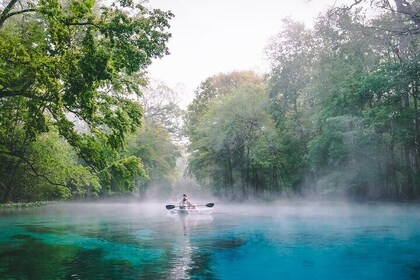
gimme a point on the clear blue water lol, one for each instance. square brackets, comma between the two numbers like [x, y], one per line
[144, 241]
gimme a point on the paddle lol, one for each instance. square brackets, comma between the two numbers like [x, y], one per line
[173, 206]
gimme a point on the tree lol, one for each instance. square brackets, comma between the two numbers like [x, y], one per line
[353, 77]
[160, 105]
[153, 144]
[390, 90]
[44, 169]
[219, 85]
[69, 66]
[235, 148]
[155, 141]
[291, 54]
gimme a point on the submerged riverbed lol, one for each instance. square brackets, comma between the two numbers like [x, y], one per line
[146, 241]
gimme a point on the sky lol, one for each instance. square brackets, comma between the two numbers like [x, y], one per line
[220, 36]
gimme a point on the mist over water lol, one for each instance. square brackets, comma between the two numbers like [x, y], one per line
[144, 240]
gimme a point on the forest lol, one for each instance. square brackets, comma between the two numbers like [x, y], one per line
[336, 115]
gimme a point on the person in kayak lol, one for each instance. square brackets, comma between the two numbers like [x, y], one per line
[185, 203]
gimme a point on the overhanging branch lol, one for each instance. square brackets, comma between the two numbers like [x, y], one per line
[6, 13]
[3, 15]
[405, 7]
[42, 175]
[32, 167]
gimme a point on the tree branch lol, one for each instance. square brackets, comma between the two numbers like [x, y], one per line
[356, 2]
[8, 93]
[3, 15]
[81, 24]
[42, 175]
[334, 10]
[22, 91]
[404, 7]
[20, 12]
[7, 14]
[34, 169]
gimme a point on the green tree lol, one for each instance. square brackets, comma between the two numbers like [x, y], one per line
[291, 53]
[64, 64]
[161, 106]
[236, 148]
[153, 144]
[381, 88]
[218, 85]
[202, 163]
[357, 79]
[155, 141]
[45, 169]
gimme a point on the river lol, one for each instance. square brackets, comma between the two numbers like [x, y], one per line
[271, 241]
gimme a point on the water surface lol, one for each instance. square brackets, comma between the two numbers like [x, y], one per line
[145, 241]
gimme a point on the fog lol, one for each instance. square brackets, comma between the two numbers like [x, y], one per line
[279, 209]
[323, 239]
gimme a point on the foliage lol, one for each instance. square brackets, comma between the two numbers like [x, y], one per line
[337, 114]
[70, 66]
[152, 143]
[218, 85]
[45, 169]
[346, 156]
[235, 147]
[357, 102]
[342, 116]
[24, 205]
[160, 104]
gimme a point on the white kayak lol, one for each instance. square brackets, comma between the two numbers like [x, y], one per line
[193, 211]
[198, 209]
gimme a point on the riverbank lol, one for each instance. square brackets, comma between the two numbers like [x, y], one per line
[24, 204]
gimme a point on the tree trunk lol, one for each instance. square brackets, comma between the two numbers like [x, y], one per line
[298, 123]
[417, 137]
[5, 14]
[403, 7]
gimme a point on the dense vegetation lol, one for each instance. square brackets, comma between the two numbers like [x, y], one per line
[69, 74]
[336, 116]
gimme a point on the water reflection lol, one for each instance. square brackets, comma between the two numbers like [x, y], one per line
[182, 262]
[188, 257]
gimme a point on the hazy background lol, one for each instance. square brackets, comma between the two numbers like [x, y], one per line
[214, 36]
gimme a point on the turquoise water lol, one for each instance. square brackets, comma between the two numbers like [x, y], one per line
[145, 241]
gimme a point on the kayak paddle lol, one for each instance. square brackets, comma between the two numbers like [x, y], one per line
[173, 206]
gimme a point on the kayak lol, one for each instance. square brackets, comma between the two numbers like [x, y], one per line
[194, 211]
[181, 210]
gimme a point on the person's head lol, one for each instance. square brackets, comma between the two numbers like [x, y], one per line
[184, 197]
